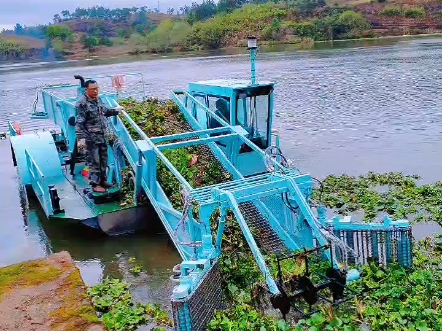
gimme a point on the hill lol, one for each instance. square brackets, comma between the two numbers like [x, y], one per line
[102, 32]
[93, 31]
[20, 47]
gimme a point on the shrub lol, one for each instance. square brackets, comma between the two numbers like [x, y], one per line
[415, 12]
[59, 31]
[304, 29]
[167, 35]
[353, 21]
[391, 11]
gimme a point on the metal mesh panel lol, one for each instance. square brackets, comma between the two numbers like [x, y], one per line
[204, 149]
[208, 152]
[196, 311]
[265, 237]
[286, 217]
[382, 246]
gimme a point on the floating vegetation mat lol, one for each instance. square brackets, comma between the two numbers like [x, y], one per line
[391, 298]
[374, 194]
[119, 313]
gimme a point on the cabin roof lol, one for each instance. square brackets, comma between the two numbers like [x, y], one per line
[232, 83]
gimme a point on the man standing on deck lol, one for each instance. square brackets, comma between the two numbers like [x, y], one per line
[91, 130]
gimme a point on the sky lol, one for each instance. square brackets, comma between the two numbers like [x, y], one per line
[30, 12]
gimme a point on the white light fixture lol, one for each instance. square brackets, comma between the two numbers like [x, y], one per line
[252, 43]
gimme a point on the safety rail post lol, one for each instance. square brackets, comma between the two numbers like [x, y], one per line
[138, 177]
[151, 159]
[206, 212]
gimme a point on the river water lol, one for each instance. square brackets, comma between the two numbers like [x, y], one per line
[349, 108]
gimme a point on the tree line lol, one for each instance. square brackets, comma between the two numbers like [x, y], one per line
[189, 28]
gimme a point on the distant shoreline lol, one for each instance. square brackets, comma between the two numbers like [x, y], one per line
[232, 50]
[224, 51]
[262, 44]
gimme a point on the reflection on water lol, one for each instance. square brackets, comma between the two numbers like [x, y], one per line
[353, 108]
[98, 255]
[26, 234]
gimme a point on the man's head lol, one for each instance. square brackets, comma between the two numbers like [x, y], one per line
[91, 89]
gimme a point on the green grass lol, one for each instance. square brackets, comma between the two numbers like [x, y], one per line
[27, 274]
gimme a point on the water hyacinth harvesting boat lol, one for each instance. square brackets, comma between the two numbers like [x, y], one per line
[228, 123]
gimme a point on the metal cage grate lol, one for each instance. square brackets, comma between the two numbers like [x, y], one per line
[383, 246]
[195, 312]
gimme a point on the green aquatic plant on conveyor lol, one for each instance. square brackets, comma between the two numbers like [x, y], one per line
[197, 165]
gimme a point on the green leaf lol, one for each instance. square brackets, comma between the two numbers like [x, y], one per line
[317, 319]
[336, 322]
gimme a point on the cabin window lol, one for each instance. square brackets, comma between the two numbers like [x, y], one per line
[253, 115]
[221, 107]
[198, 111]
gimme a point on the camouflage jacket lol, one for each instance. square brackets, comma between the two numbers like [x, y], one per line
[91, 120]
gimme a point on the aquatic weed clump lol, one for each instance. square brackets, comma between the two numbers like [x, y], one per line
[119, 313]
[195, 163]
[394, 193]
[393, 298]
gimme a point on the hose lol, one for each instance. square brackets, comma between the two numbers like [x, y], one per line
[118, 145]
[188, 202]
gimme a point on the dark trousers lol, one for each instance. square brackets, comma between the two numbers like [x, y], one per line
[96, 161]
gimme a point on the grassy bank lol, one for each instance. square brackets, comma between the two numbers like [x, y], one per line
[47, 294]
[271, 23]
[13, 47]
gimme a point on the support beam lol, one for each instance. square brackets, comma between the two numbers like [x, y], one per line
[189, 134]
[252, 243]
[195, 142]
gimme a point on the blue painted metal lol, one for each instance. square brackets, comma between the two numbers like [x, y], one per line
[238, 142]
[253, 52]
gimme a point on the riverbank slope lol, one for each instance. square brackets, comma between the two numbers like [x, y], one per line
[45, 294]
